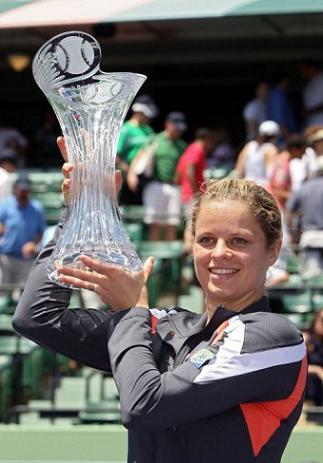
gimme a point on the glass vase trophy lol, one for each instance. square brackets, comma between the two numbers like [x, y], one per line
[90, 106]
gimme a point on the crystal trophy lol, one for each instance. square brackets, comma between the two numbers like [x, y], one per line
[90, 106]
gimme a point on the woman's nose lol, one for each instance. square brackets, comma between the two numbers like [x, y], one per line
[220, 249]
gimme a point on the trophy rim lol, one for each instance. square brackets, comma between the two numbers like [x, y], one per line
[95, 71]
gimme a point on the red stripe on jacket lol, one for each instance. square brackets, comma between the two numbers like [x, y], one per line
[264, 418]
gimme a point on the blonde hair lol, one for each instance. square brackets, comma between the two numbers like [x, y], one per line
[261, 204]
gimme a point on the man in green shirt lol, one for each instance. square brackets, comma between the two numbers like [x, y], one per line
[161, 196]
[135, 134]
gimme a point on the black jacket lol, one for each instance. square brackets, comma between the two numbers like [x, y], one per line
[229, 391]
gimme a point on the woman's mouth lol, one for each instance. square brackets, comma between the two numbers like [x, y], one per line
[223, 273]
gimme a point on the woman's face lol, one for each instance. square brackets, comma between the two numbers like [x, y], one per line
[231, 256]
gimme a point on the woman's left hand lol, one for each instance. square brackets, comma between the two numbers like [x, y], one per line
[119, 288]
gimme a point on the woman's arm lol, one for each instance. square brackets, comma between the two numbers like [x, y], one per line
[211, 380]
[239, 167]
[43, 315]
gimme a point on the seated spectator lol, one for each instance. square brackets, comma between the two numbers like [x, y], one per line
[8, 163]
[12, 139]
[222, 156]
[21, 228]
[314, 343]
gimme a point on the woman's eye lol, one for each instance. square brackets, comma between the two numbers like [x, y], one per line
[239, 241]
[205, 240]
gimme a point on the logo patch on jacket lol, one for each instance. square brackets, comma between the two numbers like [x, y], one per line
[201, 357]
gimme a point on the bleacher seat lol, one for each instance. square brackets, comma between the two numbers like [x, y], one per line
[6, 381]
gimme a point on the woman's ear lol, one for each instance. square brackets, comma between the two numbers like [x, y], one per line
[274, 251]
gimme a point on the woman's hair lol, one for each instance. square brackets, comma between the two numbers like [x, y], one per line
[261, 204]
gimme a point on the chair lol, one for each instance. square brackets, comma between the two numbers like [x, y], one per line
[102, 403]
[170, 254]
[135, 232]
[293, 299]
[6, 380]
[132, 213]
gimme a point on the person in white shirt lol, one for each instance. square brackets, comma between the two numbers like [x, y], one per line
[257, 157]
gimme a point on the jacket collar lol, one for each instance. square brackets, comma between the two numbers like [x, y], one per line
[186, 324]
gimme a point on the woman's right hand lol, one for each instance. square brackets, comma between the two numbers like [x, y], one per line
[68, 167]
[115, 285]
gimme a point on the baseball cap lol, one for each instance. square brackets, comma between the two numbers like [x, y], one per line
[23, 183]
[178, 119]
[269, 128]
[8, 155]
[316, 136]
[146, 105]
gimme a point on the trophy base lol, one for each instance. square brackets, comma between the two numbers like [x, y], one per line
[130, 262]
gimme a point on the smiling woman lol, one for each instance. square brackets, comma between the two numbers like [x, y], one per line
[190, 385]
[236, 227]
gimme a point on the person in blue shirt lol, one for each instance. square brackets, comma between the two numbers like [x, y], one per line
[279, 107]
[21, 228]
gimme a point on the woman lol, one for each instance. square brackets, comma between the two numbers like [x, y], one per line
[257, 157]
[226, 386]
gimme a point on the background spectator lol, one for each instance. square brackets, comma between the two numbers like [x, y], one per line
[257, 157]
[313, 92]
[190, 172]
[307, 203]
[135, 134]
[21, 228]
[8, 163]
[222, 156]
[254, 113]
[11, 138]
[192, 164]
[161, 195]
[281, 179]
[314, 138]
[279, 107]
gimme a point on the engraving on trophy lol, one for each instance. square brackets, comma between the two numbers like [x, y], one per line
[90, 106]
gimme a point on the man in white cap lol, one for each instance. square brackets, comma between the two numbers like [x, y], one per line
[135, 133]
[257, 157]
